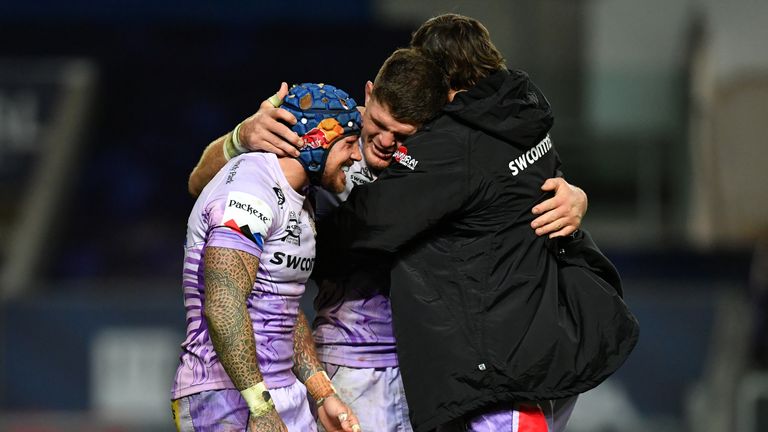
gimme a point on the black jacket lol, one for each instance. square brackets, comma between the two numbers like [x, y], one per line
[484, 310]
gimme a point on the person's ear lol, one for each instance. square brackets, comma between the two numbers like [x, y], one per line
[368, 91]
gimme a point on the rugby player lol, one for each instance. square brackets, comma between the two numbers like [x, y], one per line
[353, 328]
[250, 248]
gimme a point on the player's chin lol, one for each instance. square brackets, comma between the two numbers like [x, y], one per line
[335, 183]
[377, 163]
[376, 159]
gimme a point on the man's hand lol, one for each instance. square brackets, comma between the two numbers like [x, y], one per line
[266, 130]
[560, 215]
[262, 131]
[336, 416]
[270, 422]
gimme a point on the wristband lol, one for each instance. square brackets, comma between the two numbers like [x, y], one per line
[236, 139]
[232, 145]
[319, 386]
[322, 400]
[258, 399]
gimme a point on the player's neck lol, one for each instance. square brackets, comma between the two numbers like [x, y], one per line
[294, 173]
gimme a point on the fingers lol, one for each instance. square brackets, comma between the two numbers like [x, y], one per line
[560, 215]
[333, 410]
[354, 423]
[546, 205]
[566, 231]
[552, 184]
[268, 111]
[557, 228]
[266, 131]
[273, 144]
[279, 135]
[549, 210]
[558, 219]
[549, 228]
[349, 422]
[258, 135]
[276, 99]
[269, 129]
[281, 115]
[283, 91]
[556, 223]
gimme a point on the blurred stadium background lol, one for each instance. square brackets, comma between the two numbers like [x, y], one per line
[661, 116]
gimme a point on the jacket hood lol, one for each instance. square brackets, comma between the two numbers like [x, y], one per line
[507, 105]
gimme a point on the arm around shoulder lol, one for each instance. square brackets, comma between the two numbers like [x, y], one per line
[423, 185]
[266, 130]
[210, 163]
[562, 214]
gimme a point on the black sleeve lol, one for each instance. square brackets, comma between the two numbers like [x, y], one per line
[558, 163]
[579, 249]
[416, 192]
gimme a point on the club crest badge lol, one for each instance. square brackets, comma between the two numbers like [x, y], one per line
[292, 230]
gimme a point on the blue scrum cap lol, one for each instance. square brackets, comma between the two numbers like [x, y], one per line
[324, 114]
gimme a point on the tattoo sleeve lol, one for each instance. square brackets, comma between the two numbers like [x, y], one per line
[267, 423]
[229, 278]
[305, 362]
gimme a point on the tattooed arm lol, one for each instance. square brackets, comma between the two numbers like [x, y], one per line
[305, 362]
[305, 365]
[229, 278]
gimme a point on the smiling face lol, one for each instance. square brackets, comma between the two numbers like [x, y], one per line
[381, 133]
[342, 154]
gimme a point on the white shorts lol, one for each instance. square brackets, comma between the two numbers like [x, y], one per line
[375, 395]
[225, 410]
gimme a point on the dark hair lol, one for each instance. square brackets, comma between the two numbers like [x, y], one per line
[411, 86]
[461, 46]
